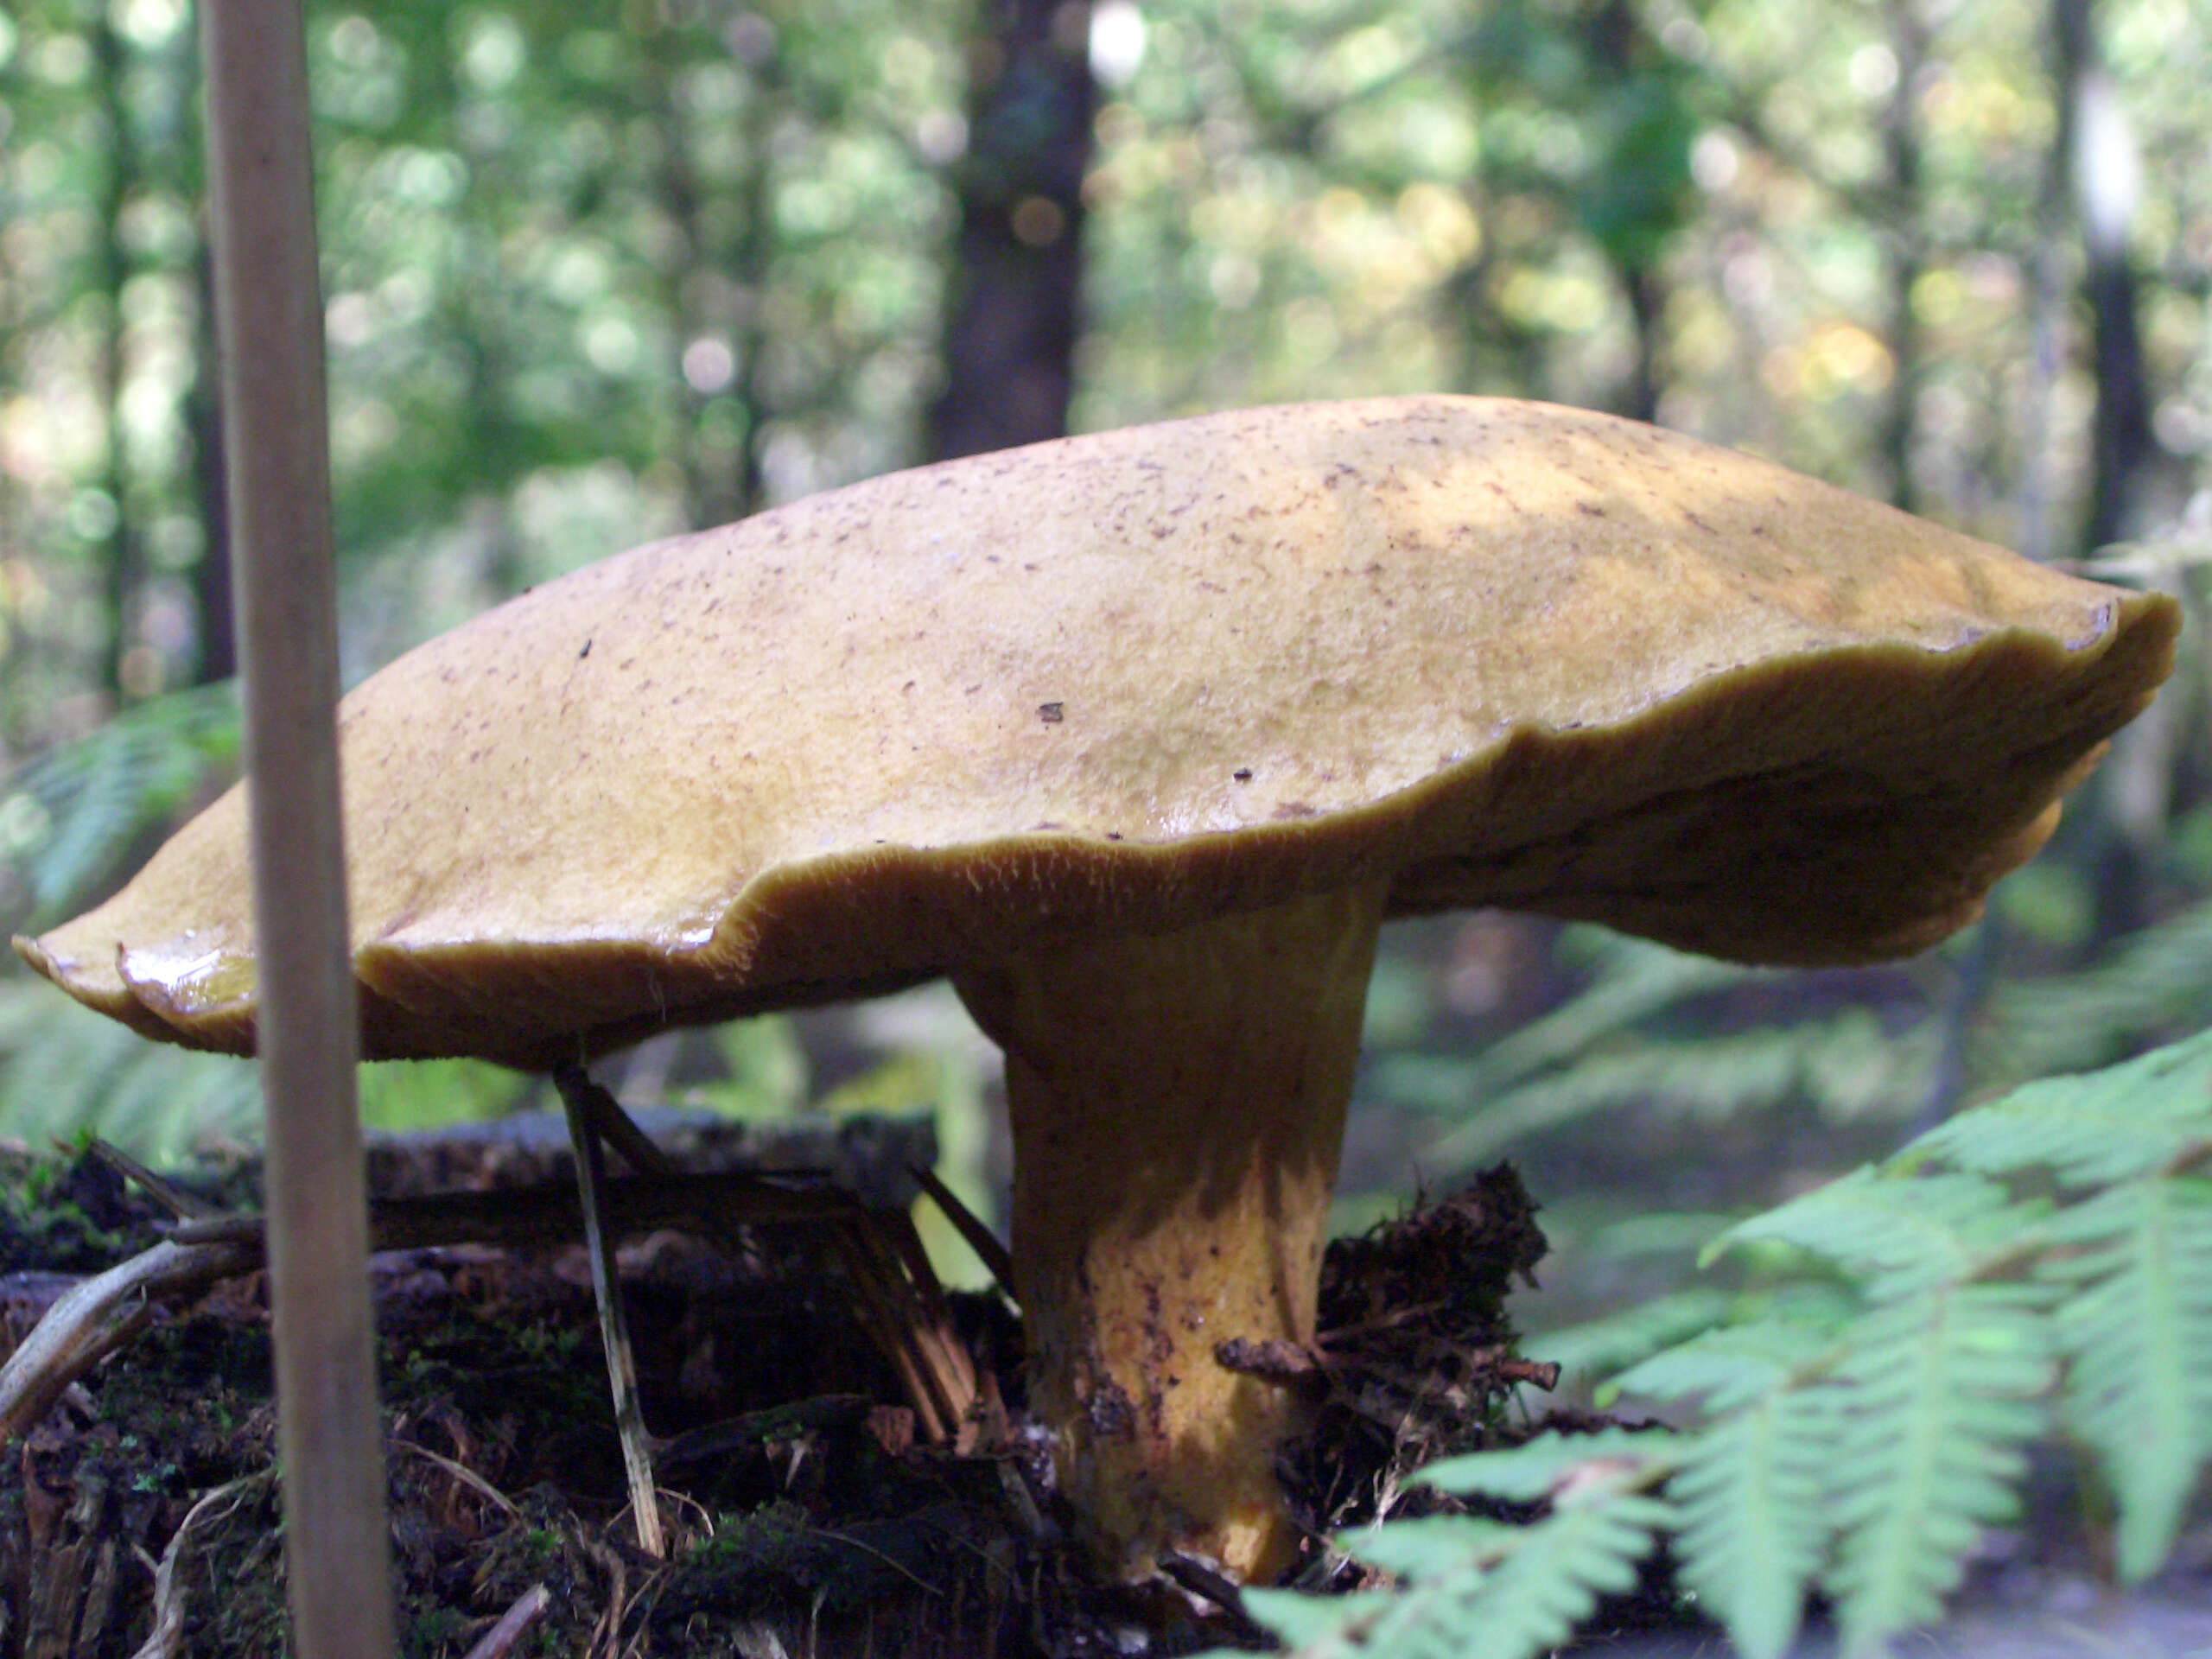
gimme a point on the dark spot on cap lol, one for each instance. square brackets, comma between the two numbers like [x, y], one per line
[1052, 713]
[1242, 775]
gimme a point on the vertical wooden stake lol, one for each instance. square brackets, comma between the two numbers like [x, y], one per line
[269, 324]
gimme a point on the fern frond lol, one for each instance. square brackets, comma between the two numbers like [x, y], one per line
[72, 811]
[1548, 1463]
[1845, 1067]
[1935, 1401]
[1635, 980]
[2157, 982]
[1316, 1627]
[1481, 1589]
[2137, 1336]
[1602, 1346]
[65, 1070]
[2126, 1120]
[1754, 1531]
[1899, 1232]
[1863, 1426]
[1733, 1367]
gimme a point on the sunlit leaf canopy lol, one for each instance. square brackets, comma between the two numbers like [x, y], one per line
[595, 275]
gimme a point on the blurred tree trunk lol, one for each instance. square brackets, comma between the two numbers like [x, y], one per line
[717, 289]
[2094, 154]
[1620, 53]
[215, 627]
[1014, 311]
[211, 577]
[112, 262]
[2097, 150]
[1899, 226]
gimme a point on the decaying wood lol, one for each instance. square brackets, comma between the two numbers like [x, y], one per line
[83, 1325]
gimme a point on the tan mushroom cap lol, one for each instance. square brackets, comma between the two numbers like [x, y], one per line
[1485, 652]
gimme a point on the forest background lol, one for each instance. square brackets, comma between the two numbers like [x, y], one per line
[599, 274]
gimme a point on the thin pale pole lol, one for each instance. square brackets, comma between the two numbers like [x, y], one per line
[269, 324]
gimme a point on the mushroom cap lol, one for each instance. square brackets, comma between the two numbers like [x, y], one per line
[1494, 653]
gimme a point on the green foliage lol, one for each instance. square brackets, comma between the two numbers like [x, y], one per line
[1683, 1036]
[69, 819]
[2041, 1263]
[1480, 1589]
[399, 1095]
[2156, 982]
[66, 1070]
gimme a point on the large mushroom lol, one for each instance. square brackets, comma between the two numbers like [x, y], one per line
[1139, 737]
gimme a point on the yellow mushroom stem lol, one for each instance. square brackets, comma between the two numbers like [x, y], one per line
[1178, 1103]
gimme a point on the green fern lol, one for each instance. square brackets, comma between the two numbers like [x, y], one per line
[1612, 1344]
[2154, 984]
[1895, 1236]
[1482, 1589]
[1648, 1031]
[1936, 1398]
[2044, 1259]
[66, 1070]
[68, 817]
[2137, 1337]
[1753, 1535]
[1847, 1066]
[2128, 1120]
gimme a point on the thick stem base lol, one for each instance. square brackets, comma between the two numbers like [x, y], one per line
[1177, 1105]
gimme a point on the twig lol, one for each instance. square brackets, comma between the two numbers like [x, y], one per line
[900, 1568]
[499, 1641]
[994, 1256]
[1207, 1584]
[900, 1303]
[613, 1325]
[604, 1113]
[75, 1333]
[181, 1204]
[466, 1477]
[166, 1640]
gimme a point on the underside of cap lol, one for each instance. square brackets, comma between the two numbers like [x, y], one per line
[1490, 653]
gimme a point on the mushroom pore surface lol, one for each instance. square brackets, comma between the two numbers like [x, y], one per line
[1137, 736]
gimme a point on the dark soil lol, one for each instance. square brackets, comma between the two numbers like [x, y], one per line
[806, 1518]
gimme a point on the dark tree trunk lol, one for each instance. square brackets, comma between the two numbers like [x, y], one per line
[1906, 249]
[1647, 305]
[2125, 449]
[1014, 310]
[124, 573]
[211, 577]
[2091, 156]
[1621, 52]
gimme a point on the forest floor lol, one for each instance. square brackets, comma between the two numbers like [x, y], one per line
[808, 1511]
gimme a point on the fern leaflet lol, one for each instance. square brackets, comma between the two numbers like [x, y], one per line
[2137, 1335]
[1899, 1233]
[1482, 1590]
[1753, 1532]
[2128, 1120]
[68, 815]
[1935, 1400]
